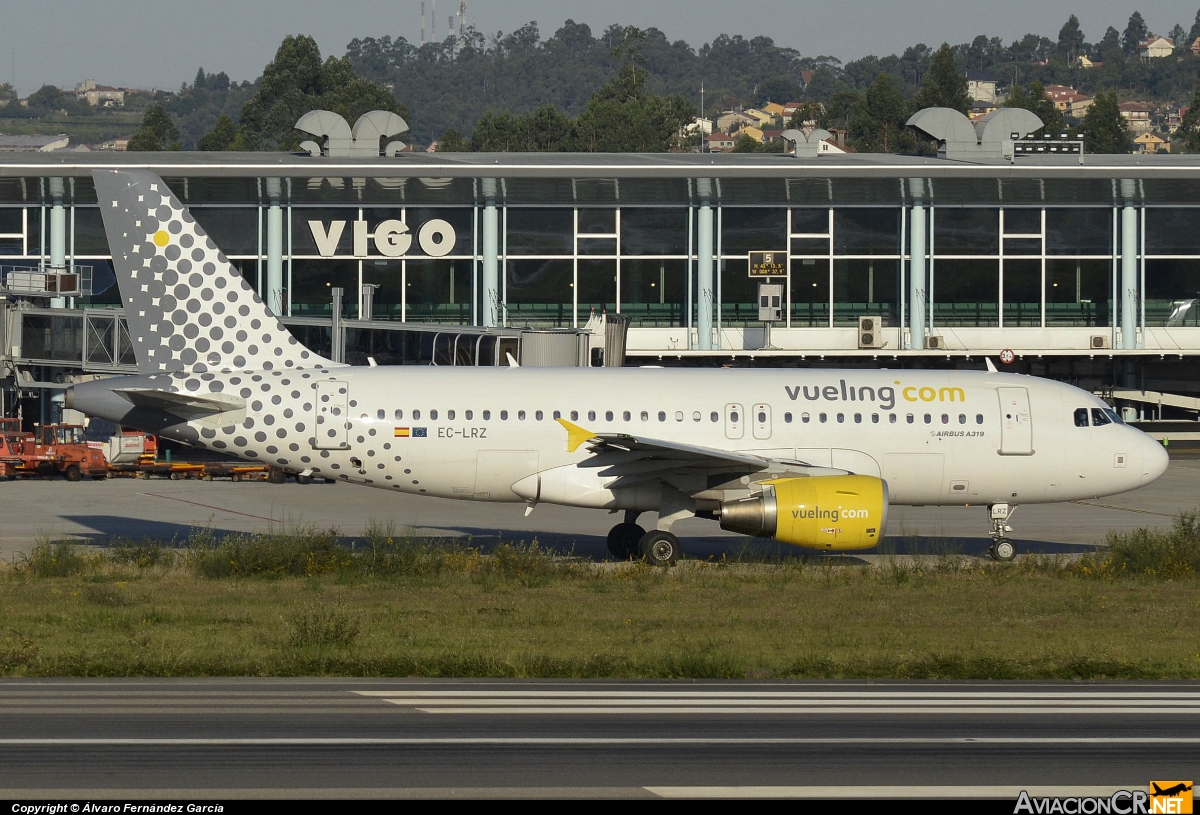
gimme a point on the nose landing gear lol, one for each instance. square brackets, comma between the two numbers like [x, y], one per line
[1002, 548]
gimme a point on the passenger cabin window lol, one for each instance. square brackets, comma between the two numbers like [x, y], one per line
[962, 418]
[874, 418]
[626, 416]
[679, 416]
[696, 416]
[945, 418]
[662, 415]
[416, 414]
[645, 415]
[470, 414]
[591, 415]
[520, 415]
[714, 417]
[928, 419]
[504, 415]
[858, 418]
[978, 418]
[1099, 417]
[450, 415]
[487, 415]
[841, 418]
[823, 418]
[399, 415]
[608, 415]
[557, 415]
[574, 415]
[804, 417]
[787, 418]
[432, 415]
[1081, 417]
[381, 415]
[892, 418]
[538, 415]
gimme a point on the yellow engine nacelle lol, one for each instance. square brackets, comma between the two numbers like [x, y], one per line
[829, 512]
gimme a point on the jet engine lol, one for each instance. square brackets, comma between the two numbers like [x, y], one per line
[819, 512]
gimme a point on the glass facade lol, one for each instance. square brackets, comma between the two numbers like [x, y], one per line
[1000, 252]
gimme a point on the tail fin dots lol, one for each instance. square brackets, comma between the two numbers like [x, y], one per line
[188, 309]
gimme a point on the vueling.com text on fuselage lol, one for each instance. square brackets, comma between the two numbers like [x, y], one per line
[885, 396]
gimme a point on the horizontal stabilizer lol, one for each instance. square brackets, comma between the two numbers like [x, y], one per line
[187, 406]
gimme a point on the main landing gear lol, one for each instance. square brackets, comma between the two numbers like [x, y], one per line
[1002, 548]
[627, 541]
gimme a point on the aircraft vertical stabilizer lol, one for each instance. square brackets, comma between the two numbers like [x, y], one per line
[187, 307]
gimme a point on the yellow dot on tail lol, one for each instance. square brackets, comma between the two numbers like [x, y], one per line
[161, 238]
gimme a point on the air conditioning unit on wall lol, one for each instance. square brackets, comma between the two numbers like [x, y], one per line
[935, 342]
[1098, 341]
[870, 332]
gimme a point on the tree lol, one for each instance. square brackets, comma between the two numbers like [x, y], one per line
[622, 118]
[806, 113]
[1194, 34]
[1034, 99]
[1189, 129]
[453, 142]
[881, 122]
[746, 144]
[1104, 129]
[1134, 34]
[944, 86]
[221, 137]
[7, 94]
[1070, 40]
[295, 82]
[1178, 35]
[158, 132]
[1109, 48]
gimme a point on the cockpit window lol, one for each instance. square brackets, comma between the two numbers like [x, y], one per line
[1081, 417]
[1112, 414]
[1100, 417]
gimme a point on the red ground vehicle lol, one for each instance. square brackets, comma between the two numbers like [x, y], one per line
[54, 449]
[12, 446]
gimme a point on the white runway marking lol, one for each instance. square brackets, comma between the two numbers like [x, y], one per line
[655, 702]
[588, 742]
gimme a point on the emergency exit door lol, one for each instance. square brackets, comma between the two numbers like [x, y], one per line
[1016, 426]
[332, 415]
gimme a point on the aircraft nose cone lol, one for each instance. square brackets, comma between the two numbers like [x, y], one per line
[1154, 461]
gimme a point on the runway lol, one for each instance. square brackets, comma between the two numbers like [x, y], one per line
[365, 738]
[97, 511]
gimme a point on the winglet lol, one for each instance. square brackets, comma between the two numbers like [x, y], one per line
[576, 435]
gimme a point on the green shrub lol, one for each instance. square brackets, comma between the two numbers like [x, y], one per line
[53, 559]
[322, 625]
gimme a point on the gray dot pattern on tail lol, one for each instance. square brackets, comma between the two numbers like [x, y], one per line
[187, 307]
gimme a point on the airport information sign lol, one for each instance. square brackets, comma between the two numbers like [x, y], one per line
[768, 264]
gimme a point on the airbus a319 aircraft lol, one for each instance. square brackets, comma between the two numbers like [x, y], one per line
[807, 457]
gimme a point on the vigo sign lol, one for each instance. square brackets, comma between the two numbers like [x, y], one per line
[392, 238]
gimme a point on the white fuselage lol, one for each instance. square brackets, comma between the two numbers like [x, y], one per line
[490, 434]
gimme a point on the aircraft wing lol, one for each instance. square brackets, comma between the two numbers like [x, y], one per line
[656, 448]
[636, 459]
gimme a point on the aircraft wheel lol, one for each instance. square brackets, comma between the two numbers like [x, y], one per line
[624, 540]
[1003, 550]
[660, 548]
[303, 479]
[276, 476]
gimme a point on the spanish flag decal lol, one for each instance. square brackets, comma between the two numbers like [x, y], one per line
[403, 432]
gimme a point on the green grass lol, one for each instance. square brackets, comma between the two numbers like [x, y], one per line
[300, 603]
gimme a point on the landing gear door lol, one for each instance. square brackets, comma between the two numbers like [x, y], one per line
[332, 418]
[1016, 425]
[735, 422]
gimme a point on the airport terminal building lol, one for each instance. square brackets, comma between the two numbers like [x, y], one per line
[1086, 267]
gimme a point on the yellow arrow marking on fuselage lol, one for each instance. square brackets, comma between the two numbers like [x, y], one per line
[576, 435]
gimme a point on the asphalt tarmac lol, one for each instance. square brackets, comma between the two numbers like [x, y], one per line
[96, 511]
[357, 738]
